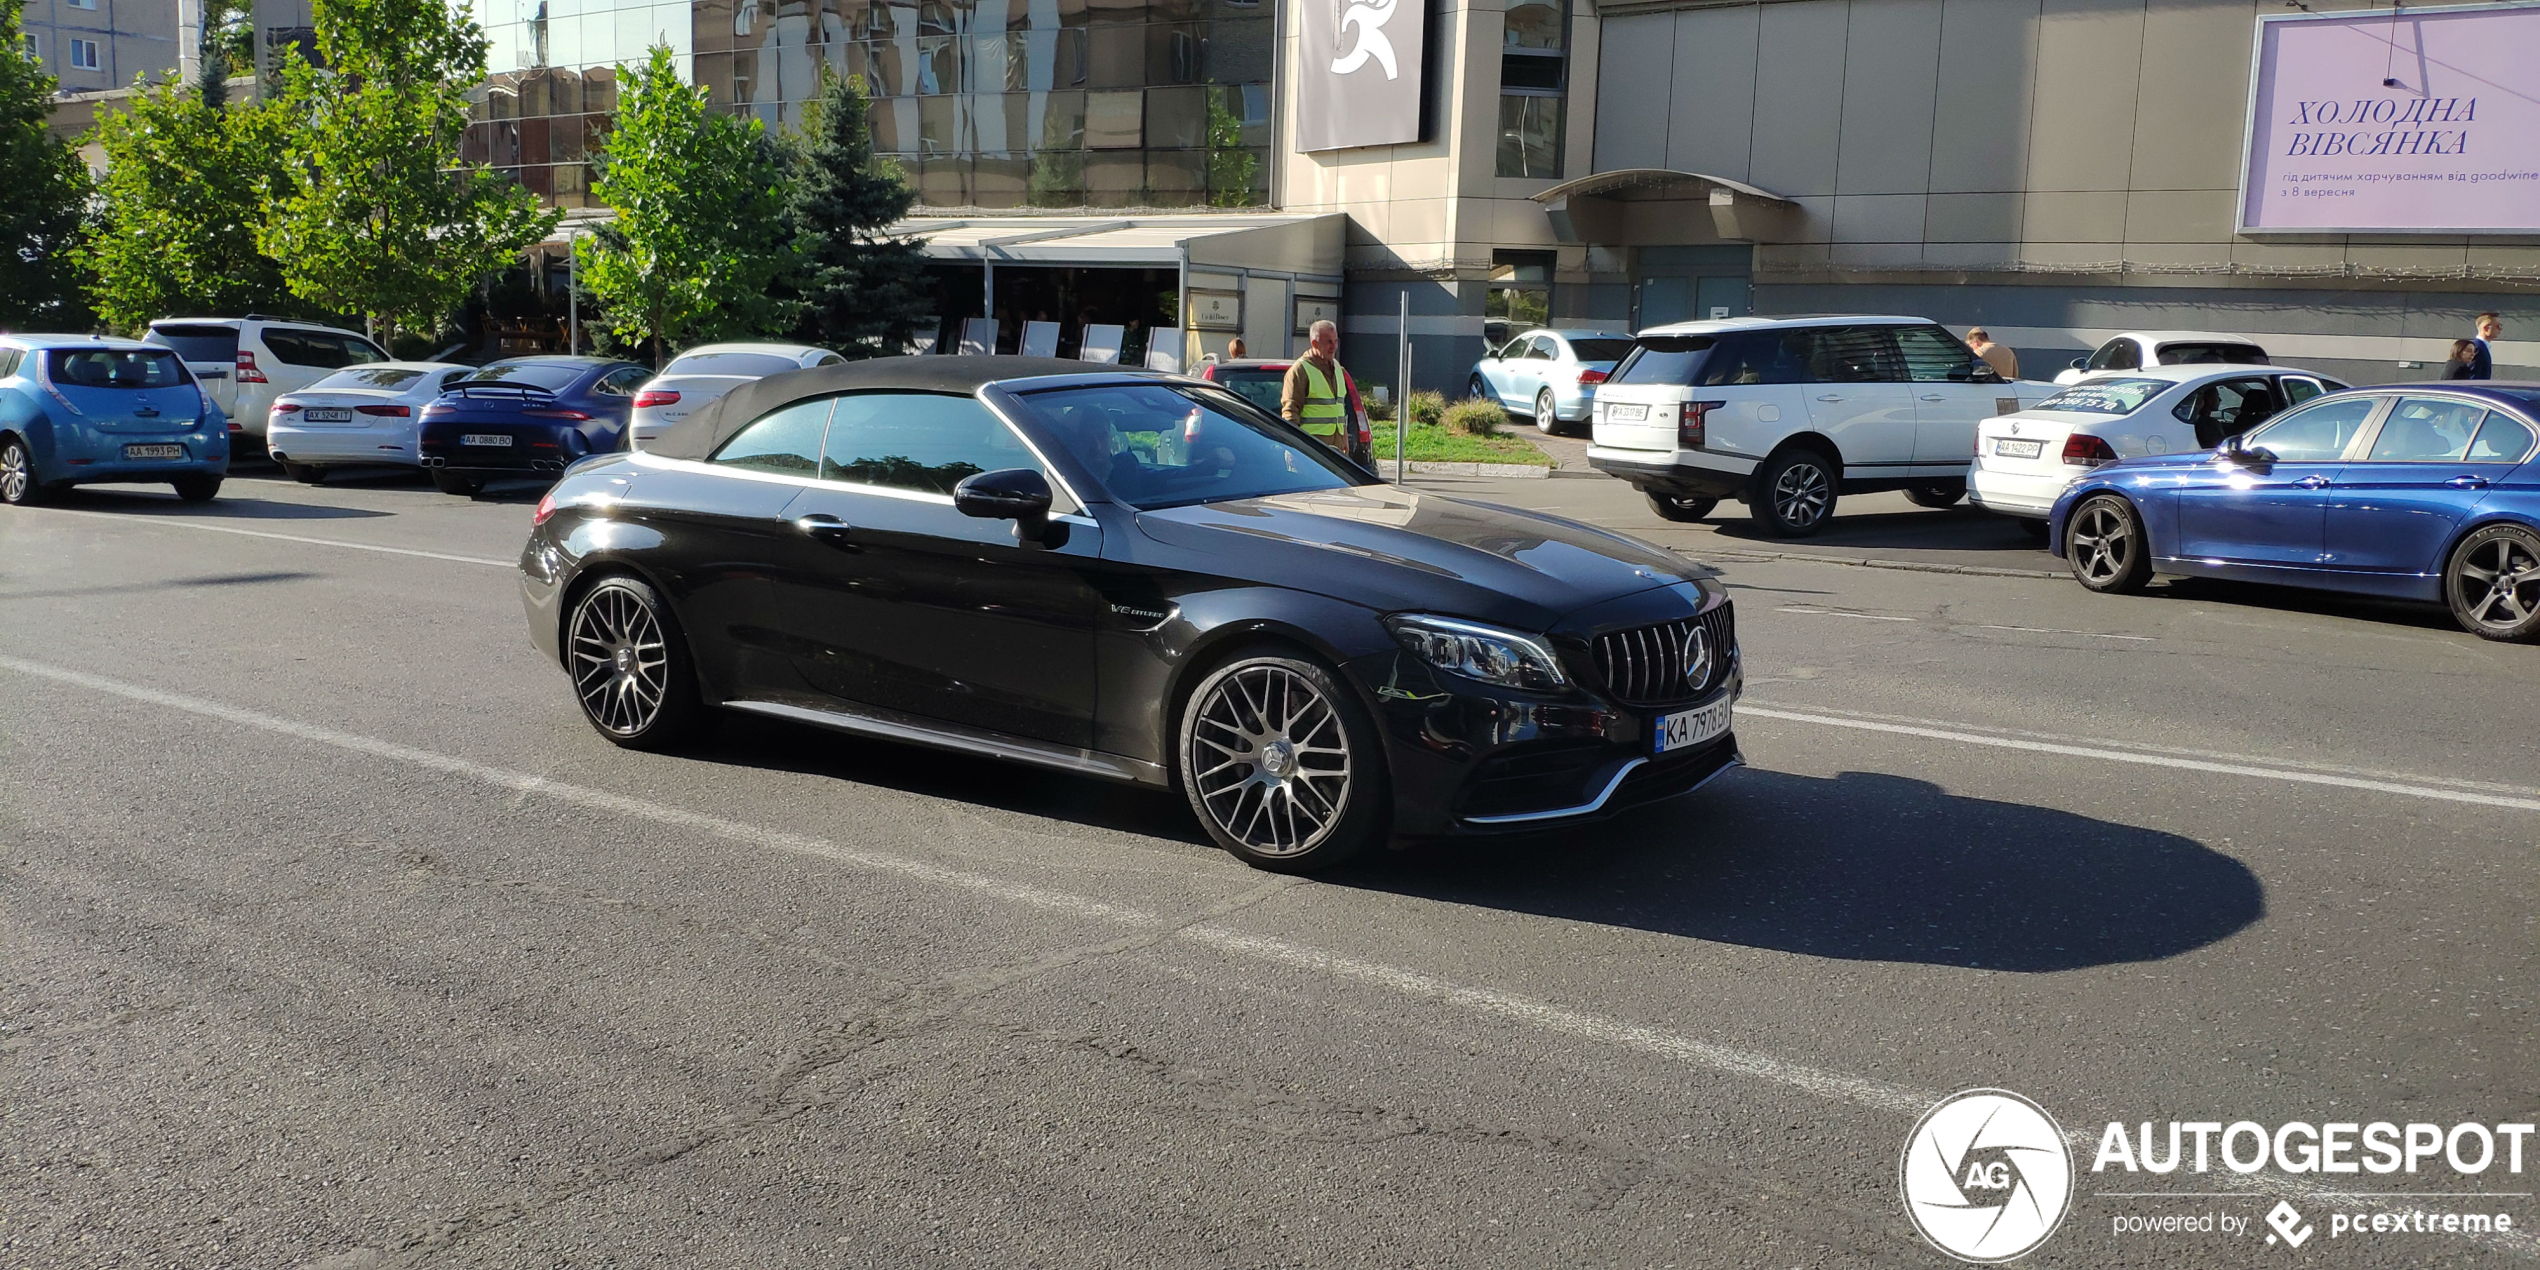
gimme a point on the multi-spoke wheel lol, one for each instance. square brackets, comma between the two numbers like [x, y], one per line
[630, 665]
[2493, 583]
[1280, 763]
[1796, 493]
[1547, 416]
[2105, 546]
[18, 485]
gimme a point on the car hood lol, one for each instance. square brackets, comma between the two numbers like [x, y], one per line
[1394, 550]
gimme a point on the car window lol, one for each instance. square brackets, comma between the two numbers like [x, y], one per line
[2315, 433]
[116, 367]
[1539, 348]
[324, 349]
[1853, 355]
[622, 383]
[1934, 356]
[2227, 407]
[2116, 354]
[2502, 439]
[2426, 430]
[200, 343]
[786, 440]
[552, 376]
[2298, 389]
[9, 359]
[829, 359]
[1259, 385]
[917, 441]
[391, 377]
[1760, 357]
[2105, 396]
[2210, 354]
[1671, 360]
[1171, 445]
[758, 365]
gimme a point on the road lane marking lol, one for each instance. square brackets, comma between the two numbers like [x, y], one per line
[2149, 760]
[2057, 630]
[1866, 617]
[1833, 1086]
[157, 522]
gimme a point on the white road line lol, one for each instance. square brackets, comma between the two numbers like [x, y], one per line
[159, 523]
[1876, 1095]
[1866, 617]
[2057, 630]
[2148, 760]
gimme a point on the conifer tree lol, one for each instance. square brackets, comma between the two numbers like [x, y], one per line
[860, 288]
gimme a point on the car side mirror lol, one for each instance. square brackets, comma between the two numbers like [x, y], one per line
[2081, 363]
[1982, 372]
[1018, 494]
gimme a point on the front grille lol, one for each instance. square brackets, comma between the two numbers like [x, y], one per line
[1645, 666]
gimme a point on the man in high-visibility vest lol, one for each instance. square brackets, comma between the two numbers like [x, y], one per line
[1315, 395]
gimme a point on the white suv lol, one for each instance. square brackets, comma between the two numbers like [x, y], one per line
[244, 363]
[1786, 413]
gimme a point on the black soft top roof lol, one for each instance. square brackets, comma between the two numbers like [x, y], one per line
[701, 433]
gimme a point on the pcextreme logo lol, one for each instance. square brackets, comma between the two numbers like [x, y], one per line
[1986, 1175]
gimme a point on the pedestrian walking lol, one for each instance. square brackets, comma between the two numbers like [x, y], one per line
[2464, 361]
[1312, 396]
[2003, 361]
[2489, 328]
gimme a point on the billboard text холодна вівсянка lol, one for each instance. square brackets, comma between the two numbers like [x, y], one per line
[2412, 122]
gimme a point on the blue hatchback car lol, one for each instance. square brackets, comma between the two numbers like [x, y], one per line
[84, 409]
[2415, 492]
[527, 416]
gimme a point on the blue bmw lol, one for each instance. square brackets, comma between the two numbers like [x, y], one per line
[2419, 492]
[83, 409]
[527, 416]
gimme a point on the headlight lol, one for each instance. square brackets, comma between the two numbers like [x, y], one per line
[1479, 652]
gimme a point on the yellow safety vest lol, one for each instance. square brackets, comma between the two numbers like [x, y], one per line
[1324, 416]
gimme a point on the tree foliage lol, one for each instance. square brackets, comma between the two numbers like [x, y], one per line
[381, 217]
[43, 192]
[185, 190]
[699, 234]
[860, 288]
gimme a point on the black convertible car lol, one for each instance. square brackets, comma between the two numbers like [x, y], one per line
[1132, 576]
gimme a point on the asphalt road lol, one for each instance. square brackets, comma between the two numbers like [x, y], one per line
[335, 938]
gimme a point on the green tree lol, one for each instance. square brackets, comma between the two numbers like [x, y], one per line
[226, 42]
[43, 192]
[185, 189]
[699, 233]
[381, 218]
[1231, 168]
[860, 287]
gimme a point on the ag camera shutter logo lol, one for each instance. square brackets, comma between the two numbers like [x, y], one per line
[1987, 1176]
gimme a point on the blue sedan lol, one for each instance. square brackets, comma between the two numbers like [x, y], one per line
[83, 409]
[2422, 492]
[527, 416]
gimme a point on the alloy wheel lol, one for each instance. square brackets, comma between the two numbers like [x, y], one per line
[1547, 419]
[1801, 495]
[2499, 583]
[621, 664]
[1269, 761]
[17, 474]
[2102, 543]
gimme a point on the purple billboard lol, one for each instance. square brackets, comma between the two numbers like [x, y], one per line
[2417, 121]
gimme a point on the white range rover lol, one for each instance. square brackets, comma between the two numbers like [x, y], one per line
[1784, 414]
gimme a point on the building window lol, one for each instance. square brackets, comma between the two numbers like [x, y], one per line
[1520, 294]
[84, 55]
[82, 4]
[1534, 76]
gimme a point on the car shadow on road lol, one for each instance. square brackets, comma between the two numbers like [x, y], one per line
[145, 501]
[2285, 599]
[1860, 867]
[1956, 529]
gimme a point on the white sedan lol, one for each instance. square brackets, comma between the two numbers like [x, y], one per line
[2142, 350]
[2024, 460]
[358, 415]
[708, 371]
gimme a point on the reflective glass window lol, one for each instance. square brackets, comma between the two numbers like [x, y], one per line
[1934, 356]
[1158, 445]
[918, 441]
[2426, 430]
[2502, 439]
[2315, 433]
[786, 441]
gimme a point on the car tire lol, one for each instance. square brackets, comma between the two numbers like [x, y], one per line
[1937, 495]
[1680, 509]
[197, 489]
[629, 661]
[305, 473]
[1332, 801]
[1795, 493]
[1547, 415]
[2105, 545]
[1480, 387]
[18, 486]
[453, 483]
[2493, 583]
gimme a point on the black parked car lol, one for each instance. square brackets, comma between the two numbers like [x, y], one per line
[1132, 576]
[527, 416]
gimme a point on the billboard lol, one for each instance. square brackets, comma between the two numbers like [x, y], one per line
[1358, 73]
[2395, 121]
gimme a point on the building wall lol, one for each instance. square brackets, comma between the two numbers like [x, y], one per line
[135, 39]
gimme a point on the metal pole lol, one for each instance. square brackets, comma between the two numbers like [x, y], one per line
[1402, 394]
[572, 299]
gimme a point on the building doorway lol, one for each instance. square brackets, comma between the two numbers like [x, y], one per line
[1692, 284]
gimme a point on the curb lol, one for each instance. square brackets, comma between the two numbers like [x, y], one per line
[1521, 471]
[1906, 566]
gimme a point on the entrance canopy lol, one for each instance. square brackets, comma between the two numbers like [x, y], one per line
[1586, 211]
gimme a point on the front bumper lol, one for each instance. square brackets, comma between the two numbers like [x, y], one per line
[1685, 473]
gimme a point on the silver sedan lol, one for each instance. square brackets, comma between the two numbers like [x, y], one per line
[1548, 374]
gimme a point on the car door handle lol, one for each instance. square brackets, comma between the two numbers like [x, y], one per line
[824, 528]
[2467, 482]
[1933, 396]
[2312, 482]
[1831, 397]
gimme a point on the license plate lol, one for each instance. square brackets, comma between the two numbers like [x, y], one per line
[1688, 728]
[322, 415]
[2017, 449]
[486, 438]
[1627, 412]
[154, 451]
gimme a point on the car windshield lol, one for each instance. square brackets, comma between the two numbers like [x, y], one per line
[1670, 360]
[1259, 385]
[2213, 354]
[370, 377]
[552, 376]
[115, 367]
[752, 365]
[2105, 396]
[1601, 350]
[1160, 445]
[200, 343]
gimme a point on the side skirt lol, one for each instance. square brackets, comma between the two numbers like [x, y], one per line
[891, 725]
